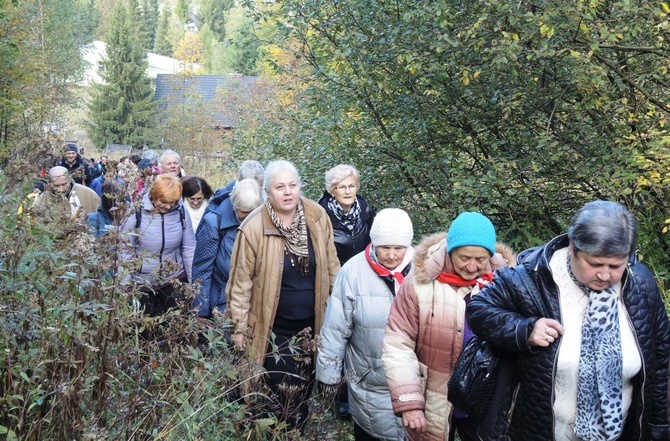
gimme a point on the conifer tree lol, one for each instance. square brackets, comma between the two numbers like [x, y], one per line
[242, 47]
[148, 23]
[122, 108]
[162, 45]
[213, 14]
[183, 10]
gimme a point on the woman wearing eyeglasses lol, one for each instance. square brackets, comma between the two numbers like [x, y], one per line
[349, 213]
[352, 218]
[196, 193]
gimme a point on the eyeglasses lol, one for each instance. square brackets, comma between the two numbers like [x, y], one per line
[195, 199]
[351, 187]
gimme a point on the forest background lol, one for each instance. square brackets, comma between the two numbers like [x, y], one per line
[521, 110]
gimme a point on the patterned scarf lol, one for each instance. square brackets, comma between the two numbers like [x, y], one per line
[600, 383]
[348, 220]
[295, 243]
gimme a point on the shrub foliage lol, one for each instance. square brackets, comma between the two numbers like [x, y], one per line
[80, 359]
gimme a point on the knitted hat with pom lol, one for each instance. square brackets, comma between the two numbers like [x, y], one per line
[471, 229]
[392, 226]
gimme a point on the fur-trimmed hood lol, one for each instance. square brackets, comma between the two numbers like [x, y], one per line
[431, 258]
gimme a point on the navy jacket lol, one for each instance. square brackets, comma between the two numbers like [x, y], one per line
[214, 244]
[83, 176]
[347, 243]
[99, 221]
[505, 314]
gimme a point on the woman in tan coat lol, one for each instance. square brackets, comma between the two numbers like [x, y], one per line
[281, 273]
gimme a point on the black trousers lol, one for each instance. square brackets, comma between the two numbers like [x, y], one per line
[362, 435]
[290, 380]
[466, 427]
[157, 300]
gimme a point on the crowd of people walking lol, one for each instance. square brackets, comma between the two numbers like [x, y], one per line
[337, 294]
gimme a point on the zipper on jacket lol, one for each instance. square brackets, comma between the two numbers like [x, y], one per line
[639, 351]
[553, 376]
[160, 255]
[558, 348]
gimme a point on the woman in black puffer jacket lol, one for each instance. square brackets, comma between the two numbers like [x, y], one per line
[604, 320]
[349, 213]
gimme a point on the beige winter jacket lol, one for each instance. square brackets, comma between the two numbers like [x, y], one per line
[256, 269]
[80, 197]
[424, 335]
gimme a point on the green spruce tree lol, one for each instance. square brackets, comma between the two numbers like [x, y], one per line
[213, 14]
[242, 46]
[183, 10]
[122, 109]
[162, 45]
[148, 24]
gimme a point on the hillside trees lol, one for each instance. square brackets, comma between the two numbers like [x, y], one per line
[149, 23]
[183, 10]
[122, 109]
[241, 46]
[521, 110]
[162, 44]
[40, 60]
[213, 15]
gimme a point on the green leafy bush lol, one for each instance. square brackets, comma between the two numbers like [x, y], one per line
[76, 360]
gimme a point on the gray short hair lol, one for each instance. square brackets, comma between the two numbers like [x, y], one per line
[151, 156]
[338, 174]
[275, 167]
[604, 228]
[251, 169]
[167, 153]
[59, 171]
[246, 195]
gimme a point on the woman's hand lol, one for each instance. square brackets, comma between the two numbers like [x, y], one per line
[414, 419]
[238, 341]
[545, 332]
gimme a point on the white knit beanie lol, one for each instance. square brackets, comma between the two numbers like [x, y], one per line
[392, 226]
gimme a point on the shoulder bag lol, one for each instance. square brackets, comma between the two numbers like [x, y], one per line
[473, 382]
[483, 374]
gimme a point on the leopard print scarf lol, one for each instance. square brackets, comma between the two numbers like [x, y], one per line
[600, 383]
[295, 243]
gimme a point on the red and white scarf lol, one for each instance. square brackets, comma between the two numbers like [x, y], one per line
[396, 274]
[458, 281]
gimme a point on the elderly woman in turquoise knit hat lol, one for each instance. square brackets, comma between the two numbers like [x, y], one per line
[426, 328]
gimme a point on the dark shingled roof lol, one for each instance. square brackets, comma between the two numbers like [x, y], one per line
[175, 90]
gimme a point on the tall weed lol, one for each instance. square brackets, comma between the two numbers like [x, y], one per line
[76, 361]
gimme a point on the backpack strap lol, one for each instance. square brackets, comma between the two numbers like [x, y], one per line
[138, 216]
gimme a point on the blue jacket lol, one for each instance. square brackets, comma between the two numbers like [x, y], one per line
[96, 184]
[214, 244]
[99, 221]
